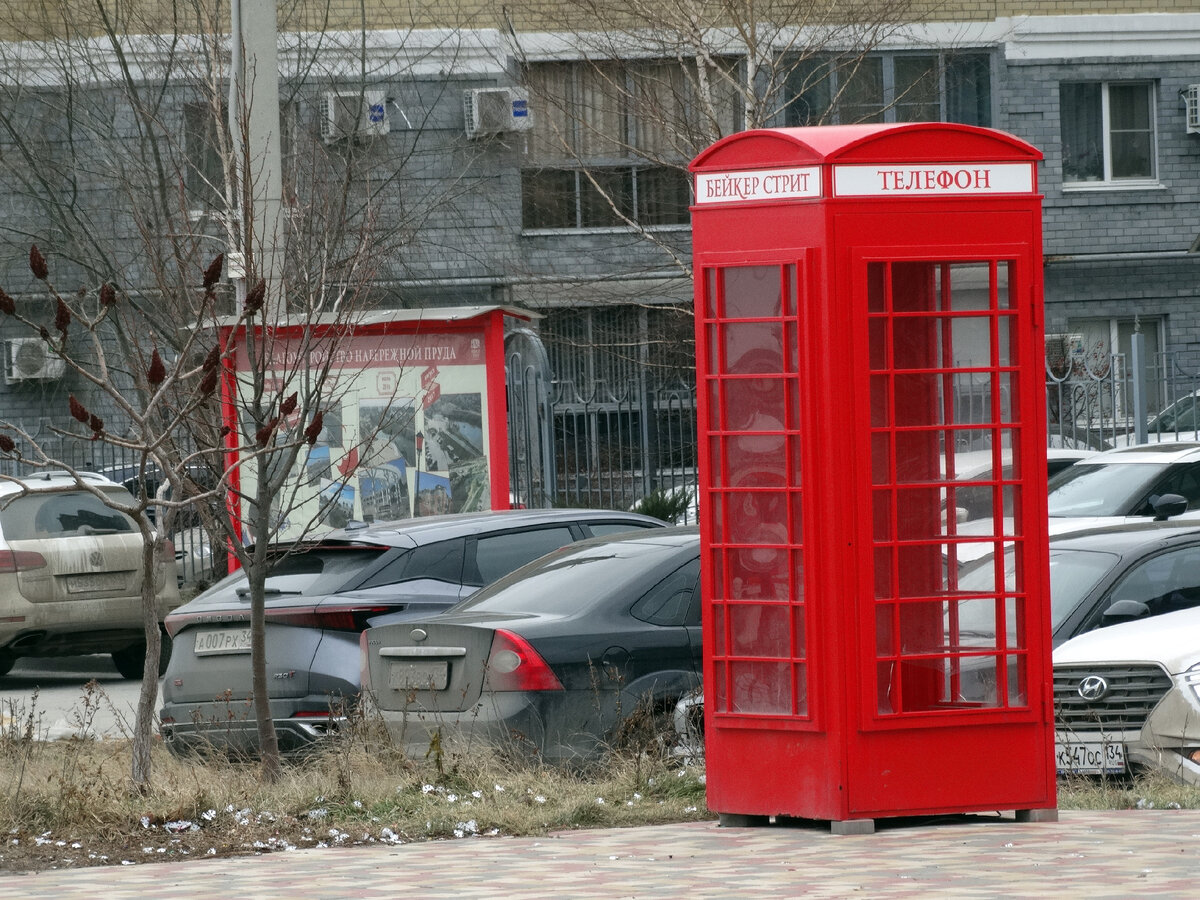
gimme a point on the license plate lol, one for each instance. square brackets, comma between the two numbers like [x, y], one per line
[1090, 758]
[96, 581]
[422, 676]
[227, 640]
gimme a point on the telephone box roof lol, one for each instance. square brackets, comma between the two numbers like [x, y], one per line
[912, 142]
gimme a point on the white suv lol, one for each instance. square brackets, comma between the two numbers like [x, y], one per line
[1127, 697]
[71, 573]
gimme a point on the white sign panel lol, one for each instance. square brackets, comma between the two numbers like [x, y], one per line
[759, 184]
[932, 179]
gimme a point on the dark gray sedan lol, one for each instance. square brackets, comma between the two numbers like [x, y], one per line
[321, 595]
[557, 659]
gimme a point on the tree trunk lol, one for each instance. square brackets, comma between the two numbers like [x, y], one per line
[143, 723]
[268, 741]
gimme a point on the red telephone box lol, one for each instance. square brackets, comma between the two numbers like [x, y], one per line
[868, 322]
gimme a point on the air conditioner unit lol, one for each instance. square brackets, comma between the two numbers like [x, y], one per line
[1191, 100]
[495, 111]
[31, 359]
[353, 114]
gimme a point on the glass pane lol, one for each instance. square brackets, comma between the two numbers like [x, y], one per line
[605, 198]
[1129, 107]
[801, 690]
[1006, 294]
[753, 348]
[755, 404]
[1017, 695]
[976, 677]
[1132, 155]
[753, 292]
[663, 195]
[972, 624]
[757, 460]
[860, 93]
[969, 89]
[916, 83]
[710, 299]
[808, 86]
[1082, 132]
[885, 640]
[883, 573]
[760, 630]
[548, 199]
[761, 687]
[971, 340]
[599, 114]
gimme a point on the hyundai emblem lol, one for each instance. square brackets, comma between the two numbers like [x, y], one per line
[1093, 688]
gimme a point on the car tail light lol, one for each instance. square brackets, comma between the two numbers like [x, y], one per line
[329, 618]
[20, 560]
[513, 665]
[175, 623]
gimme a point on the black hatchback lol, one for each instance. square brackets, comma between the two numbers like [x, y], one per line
[321, 595]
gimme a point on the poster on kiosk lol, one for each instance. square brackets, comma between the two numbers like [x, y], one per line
[868, 313]
[413, 414]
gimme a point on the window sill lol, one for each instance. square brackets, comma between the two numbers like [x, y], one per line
[1083, 187]
[612, 229]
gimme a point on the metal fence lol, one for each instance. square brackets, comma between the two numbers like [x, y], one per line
[609, 445]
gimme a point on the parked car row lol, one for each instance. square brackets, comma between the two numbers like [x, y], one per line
[321, 595]
[558, 631]
[1112, 591]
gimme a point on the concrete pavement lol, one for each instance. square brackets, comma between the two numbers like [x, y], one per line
[1100, 855]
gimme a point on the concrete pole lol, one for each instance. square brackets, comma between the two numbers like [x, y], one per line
[254, 114]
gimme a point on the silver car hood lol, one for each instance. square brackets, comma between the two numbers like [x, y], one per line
[1171, 640]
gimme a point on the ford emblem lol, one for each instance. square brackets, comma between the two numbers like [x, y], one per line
[418, 634]
[1093, 688]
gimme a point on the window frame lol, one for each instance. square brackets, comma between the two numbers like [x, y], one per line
[891, 99]
[1107, 181]
[573, 164]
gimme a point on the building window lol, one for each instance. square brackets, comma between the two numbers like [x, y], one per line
[204, 175]
[1107, 132]
[1100, 345]
[610, 144]
[912, 87]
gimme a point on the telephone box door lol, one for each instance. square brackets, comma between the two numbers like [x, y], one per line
[944, 636]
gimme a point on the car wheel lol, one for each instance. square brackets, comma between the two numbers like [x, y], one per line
[131, 662]
[7, 661]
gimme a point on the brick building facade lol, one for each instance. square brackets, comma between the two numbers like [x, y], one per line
[595, 235]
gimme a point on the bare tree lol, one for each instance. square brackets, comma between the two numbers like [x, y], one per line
[626, 95]
[132, 166]
[155, 404]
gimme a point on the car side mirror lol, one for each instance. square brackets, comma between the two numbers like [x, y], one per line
[1125, 611]
[1168, 505]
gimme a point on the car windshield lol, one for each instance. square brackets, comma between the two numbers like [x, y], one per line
[67, 514]
[1179, 416]
[1109, 489]
[321, 570]
[573, 578]
[1073, 575]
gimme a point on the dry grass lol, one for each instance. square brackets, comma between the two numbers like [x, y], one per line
[1148, 791]
[70, 803]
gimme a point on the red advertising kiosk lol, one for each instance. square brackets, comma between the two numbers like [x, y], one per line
[868, 328]
[414, 411]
